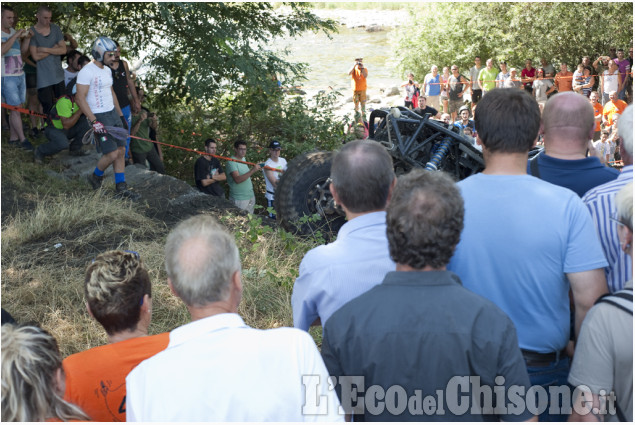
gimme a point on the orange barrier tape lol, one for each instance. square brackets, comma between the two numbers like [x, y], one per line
[520, 78]
[23, 110]
[37, 114]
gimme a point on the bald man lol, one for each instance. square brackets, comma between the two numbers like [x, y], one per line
[567, 126]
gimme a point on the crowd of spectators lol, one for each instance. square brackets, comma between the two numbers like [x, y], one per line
[608, 73]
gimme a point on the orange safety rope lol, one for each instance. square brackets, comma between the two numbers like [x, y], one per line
[37, 114]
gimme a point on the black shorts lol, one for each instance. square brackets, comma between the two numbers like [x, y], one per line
[31, 80]
[48, 95]
[476, 96]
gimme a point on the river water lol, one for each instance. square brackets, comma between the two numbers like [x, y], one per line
[330, 59]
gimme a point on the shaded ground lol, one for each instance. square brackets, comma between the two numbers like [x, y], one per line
[163, 197]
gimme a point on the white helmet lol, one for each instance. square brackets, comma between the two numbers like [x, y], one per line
[101, 46]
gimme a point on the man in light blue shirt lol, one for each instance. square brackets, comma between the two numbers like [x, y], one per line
[601, 202]
[331, 275]
[525, 242]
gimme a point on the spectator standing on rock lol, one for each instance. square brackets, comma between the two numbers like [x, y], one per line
[547, 67]
[528, 75]
[487, 77]
[609, 81]
[241, 190]
[457, 85]
[359, 73]
[331, 275]
[513, 82]
[477, 93]
[14, 46]
[543, 87]
[564, 79]
[142, 150]
[208, 172]
[503, 75]
[597, 112]
[624, 66]
[272, 177]
[122, 84]
[432, 88]
[97, 100]
[411, 89]
[47, 47]
[612, 110]
[444, 89]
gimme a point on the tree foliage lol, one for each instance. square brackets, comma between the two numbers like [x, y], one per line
[453, 33]
[194, 50]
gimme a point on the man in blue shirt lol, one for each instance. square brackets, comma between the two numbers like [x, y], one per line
[331, 275]
[526, 242]
[420, 329]
[568, 124]
[432, 87]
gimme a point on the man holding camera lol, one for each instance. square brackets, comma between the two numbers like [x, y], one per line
[358, 74]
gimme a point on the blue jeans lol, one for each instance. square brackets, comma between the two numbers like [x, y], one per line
[128, 116]
[14, 90]
[555, 374]
[58, 140]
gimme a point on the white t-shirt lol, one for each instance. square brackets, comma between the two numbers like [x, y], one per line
[99, 95]
[610, 81]
[280, 165]
[12, 61]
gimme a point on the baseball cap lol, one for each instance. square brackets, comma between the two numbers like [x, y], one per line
[463, 108]
[275, 145]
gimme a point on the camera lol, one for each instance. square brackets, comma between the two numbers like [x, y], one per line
[410, 82]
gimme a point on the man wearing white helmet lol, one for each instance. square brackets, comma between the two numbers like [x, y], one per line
[97, 100]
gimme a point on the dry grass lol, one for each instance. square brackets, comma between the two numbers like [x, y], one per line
[44, 284]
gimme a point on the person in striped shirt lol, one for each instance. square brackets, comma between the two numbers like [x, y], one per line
[601, 202]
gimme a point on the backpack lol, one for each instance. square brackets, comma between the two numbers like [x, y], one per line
[624, 301]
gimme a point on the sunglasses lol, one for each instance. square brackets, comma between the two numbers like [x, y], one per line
[620, 222]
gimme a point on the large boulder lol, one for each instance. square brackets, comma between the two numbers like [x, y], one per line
[392, 91]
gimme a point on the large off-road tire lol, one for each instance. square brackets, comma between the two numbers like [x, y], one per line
[303, 191]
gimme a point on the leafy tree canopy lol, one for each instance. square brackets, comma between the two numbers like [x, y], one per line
[454, 33]
[195, 50]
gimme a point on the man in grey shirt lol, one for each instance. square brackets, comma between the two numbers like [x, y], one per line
[46, 48]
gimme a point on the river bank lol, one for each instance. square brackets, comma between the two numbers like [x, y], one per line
[366, 33]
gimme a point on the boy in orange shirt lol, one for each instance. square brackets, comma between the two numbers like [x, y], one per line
[118, 295]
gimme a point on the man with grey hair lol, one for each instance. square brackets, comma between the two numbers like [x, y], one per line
[568, 126]
[487, 77]
[216, 368]
[443, 321]
[603, 359]
[601, 202]
[331, 275]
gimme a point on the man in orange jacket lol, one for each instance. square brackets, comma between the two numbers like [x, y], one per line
[358, 74]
